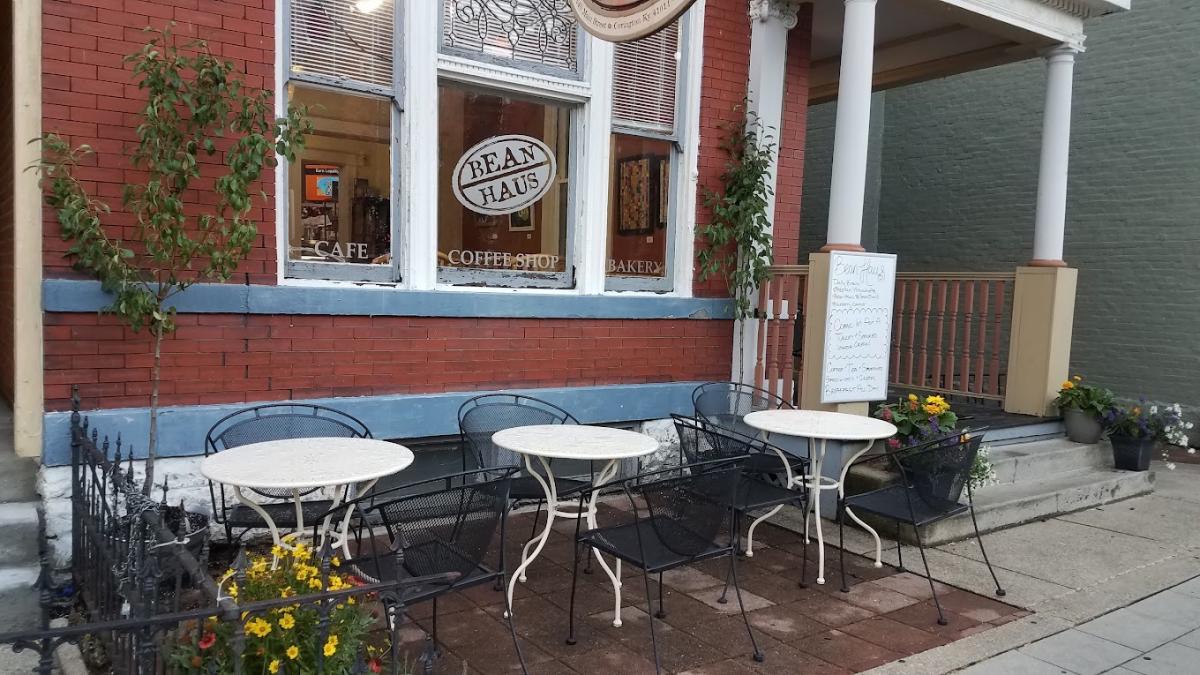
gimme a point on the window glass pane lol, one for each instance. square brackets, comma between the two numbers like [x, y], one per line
[639, 206]
[517, 33]
[502, 184]
[343, 40]
[339, 185]
[645, 74]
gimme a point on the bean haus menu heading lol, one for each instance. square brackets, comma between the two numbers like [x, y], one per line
[858, 334]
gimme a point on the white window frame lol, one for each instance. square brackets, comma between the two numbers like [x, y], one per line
[420, 65]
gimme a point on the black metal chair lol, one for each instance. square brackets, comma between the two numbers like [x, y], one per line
[482, 416]
[681, 515]
[700, 442]
[446, 525]
[724, 404]
[928, 482]
[273, 422]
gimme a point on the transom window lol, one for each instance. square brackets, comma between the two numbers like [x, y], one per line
[508, 181]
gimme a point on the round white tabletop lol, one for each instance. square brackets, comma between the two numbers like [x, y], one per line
[575, 441]
[821, 424]
[299, 463]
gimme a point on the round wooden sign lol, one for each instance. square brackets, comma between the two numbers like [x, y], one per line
[625, 20]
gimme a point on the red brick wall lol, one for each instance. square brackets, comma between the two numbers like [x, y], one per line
[221, 358]
[789, 182]
[722, 89]
[89, 95]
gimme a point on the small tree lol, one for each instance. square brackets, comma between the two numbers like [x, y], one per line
[193, 98]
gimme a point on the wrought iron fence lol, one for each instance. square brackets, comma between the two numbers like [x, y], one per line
[145, 603]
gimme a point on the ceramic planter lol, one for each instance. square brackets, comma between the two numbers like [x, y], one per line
[1130, 453]
[1082, 427]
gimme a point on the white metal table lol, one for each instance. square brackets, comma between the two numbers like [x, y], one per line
[300, 465]
[571, 442]
[823, 426]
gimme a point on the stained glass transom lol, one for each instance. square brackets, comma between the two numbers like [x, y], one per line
[518, 33]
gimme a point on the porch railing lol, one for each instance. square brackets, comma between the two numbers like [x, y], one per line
[950, 332]
[780, 319]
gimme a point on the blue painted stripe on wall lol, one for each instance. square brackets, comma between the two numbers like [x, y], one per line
[182, 429]
[75, 295]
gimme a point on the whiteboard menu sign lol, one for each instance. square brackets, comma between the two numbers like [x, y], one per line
[858, 333]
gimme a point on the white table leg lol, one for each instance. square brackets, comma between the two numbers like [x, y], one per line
[551, 506]
[606, 474]
[816, 483]
[341, 536]
[241, 497]
[842, 494]
[787, 470]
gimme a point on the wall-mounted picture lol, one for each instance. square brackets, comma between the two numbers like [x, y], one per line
[321, 182]
[640, 203]
[522, 220]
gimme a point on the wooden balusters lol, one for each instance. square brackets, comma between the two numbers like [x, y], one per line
[997, 328]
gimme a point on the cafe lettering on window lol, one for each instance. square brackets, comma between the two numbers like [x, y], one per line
[504, 174]
[625, 20]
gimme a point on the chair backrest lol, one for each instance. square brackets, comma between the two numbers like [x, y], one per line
[281, 421]
[939, 470]
[688, 508]
[726, 403]
[443, 525]
[482, 416]
[700, 441]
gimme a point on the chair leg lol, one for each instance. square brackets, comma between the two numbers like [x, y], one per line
[436, 649]
[662, 607]
[737, 535]
[804, 562]
[737, 590]
[999, 591]
[650, 618]
[899, 550]
[842, 543]
[512, 630]
[921, 547]
[574, 584]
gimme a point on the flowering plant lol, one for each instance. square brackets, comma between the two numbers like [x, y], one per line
[1143, 421]
[1075, 394]
[920, 420]
[287, 639]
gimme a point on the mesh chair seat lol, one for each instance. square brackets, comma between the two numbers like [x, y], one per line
[769, 462]
[892, 503]
[654, 554]
[753, 494]
[525, 488]
[282, 513]
[425, 555]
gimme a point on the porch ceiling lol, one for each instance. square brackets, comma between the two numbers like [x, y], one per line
[917, 40]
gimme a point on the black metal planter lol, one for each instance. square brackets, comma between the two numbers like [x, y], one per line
[1130, 453]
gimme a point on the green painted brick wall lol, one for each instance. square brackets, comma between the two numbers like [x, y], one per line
[958, 178]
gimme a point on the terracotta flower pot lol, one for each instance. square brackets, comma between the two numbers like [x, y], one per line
[1082, 427]
[1132, 453]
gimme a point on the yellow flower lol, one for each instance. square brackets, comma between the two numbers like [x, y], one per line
[335, 561]
[274, 667]
[1068, 385]
[232, 590]
[350, 600]
[932, 409]
[278, 552]
[287, 592]
[287, 622]
[1078, 378]
[937, 400]
[912, 397]
[330, 649]
[314, 583]
[293, 652]
[258, 627]
[300, 552]
[333, 640]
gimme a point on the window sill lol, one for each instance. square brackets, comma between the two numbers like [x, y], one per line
[339, 298]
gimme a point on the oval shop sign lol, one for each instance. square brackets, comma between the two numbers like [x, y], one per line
[504, 174]
[625, 20]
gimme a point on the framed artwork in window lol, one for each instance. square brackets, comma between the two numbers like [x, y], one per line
[522, 220]
[639, 194]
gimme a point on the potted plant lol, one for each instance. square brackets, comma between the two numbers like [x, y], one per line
[1082, 406]
[197, 112]
[920, 420]
[1134, 430]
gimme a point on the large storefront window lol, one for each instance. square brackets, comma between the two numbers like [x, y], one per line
[644, 156]
[503, 206]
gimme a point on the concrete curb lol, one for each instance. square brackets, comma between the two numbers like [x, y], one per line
[68, 659]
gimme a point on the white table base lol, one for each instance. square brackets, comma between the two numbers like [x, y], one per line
[340, 491]
[555, 508]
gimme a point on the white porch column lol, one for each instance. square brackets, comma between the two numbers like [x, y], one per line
[770, 21]
[848, 182]
[1050, 223]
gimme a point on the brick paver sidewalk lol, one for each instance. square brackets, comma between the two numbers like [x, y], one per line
[1156, 636]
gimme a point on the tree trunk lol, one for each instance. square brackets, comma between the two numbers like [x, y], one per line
[152, 445]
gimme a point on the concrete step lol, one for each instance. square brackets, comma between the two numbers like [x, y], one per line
[19, 603]
[1041, 459]
[1025, 433]
[19, 531]
[1001, 506]
[18, 478]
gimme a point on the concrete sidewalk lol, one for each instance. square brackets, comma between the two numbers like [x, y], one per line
[1156, 636]
[1068, 570]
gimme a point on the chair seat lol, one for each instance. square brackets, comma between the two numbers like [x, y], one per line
[769, 462]
[892, 502]
[427, 558]
[640, 544]
[758, 494]
[525, 488]
[282, 513]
